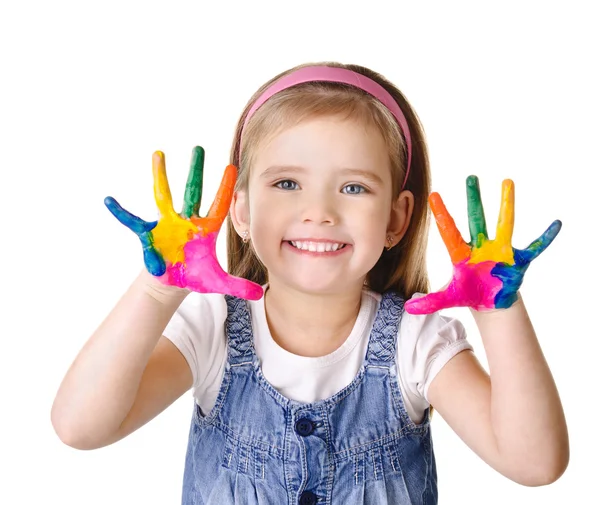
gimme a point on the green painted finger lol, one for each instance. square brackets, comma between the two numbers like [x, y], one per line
[477, 225]
[193, 186]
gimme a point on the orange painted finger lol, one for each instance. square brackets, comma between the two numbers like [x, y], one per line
[506, 217]
[162, 192]
[220, 206]
[459, 250]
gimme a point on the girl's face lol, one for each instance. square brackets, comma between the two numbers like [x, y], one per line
[319, 203]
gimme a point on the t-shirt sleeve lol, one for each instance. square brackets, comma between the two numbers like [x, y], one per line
[197, 329]
[425, 344]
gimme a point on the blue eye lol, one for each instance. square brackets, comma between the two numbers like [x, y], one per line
[357, 189]
[285, 184]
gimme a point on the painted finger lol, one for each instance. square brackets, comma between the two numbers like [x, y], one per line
[459, 250]
[243, 288]
[217, 281]
[205, 274]
[134, 223]
[220, 206]
[506, 217]
[193, 186]
[431, 303]
[539, 245]
[155, 264]
[162, 192]
[477, 226]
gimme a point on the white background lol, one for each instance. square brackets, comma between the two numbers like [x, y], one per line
[88, 90]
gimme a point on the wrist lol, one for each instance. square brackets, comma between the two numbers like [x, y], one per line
[483, 312]
[162, 293]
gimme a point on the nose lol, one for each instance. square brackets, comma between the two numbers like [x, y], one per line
[319, 208]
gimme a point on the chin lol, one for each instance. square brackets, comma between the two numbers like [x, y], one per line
[320, 285]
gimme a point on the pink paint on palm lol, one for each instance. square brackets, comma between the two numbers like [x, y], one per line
[202, 272]
[174, 275]
[472, 285]
[477, 286]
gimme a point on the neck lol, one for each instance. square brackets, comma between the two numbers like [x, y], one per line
[308, 324]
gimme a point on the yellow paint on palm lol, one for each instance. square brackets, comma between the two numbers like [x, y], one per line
[492, 250]
[170, 236]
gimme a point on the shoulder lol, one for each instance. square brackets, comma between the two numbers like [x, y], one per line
[200, 310]
[430, 327]
[426, 343]
[198, 324]
[197, 330]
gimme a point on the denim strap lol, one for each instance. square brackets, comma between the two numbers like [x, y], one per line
[382, 342]
[240, 348]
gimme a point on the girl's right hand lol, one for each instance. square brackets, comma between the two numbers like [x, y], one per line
[179, 249]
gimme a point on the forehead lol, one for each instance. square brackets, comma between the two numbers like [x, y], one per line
[325, 142]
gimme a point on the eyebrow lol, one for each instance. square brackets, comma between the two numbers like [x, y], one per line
[367, 174]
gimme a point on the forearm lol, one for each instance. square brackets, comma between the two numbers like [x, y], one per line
[101, 385]
[526, 414]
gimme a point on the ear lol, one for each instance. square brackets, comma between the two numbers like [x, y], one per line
[239, 212]
[402, 209]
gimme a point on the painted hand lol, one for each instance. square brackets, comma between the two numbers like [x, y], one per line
[487, 273]
[179, 249]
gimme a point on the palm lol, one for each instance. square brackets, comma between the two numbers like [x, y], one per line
[487, 273]
[180, 249]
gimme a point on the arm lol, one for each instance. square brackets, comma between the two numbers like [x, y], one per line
[126, 373]
[513, 418]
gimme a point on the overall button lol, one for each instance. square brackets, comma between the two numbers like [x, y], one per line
[308, 498]
[304, 427]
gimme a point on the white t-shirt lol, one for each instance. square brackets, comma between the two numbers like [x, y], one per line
[425, 344]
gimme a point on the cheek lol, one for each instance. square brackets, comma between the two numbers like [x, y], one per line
[261, 210]
[373, 217]
[265, 221]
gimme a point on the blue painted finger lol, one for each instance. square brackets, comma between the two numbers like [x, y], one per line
[134, 223]
[539, 245]
[155, 264]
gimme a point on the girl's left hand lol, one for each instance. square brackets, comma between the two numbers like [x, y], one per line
[487, 273]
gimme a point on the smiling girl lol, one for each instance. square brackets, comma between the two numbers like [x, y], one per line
[315, 361]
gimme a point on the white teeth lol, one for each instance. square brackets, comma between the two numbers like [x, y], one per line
[317, 246]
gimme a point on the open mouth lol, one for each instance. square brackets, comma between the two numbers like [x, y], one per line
[317, 246]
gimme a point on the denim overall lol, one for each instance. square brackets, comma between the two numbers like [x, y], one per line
[359, 446]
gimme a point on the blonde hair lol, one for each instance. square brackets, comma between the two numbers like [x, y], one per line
[401, 269]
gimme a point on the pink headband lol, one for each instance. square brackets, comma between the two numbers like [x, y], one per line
[334, 74]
